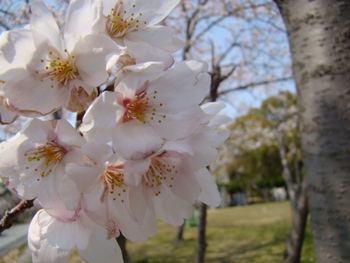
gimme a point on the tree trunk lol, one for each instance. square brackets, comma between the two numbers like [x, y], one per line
[299, 212]
[319, 33]
[179, 233]
[298, 203]
[122, 244]
[201, 240]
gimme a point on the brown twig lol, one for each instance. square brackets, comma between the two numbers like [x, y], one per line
[10, 215]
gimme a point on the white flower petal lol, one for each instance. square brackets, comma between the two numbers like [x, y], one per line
[134, 140]
[31, 94]
[67, 135]
[209, 193]
[153, 44]
[84, 177]
[152, 11]
[134, 170]
[42, 20]
[69, 234]
[17, 47]
[84, 11]
[184, 85]
[171, 210]
[91, 54]
[42, 250]
[100, 249]
[94, 127]
[49, 253]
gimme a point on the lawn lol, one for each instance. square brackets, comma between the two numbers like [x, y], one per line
[250, 234]
[254, 233]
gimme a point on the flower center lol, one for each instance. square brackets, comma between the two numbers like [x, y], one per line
[136, 108]
[143, 107]
[154, 175]
[44, 159]
[59, 69]
[113, 182]
[121, 21]
[159, 172]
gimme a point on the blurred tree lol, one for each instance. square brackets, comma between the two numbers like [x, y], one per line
[265, 147]
[255, 172]
[15, 13]
[253, 148]
[243, 41]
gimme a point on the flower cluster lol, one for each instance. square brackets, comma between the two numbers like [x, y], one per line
[142, 149]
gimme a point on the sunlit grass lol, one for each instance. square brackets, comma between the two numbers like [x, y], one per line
[254, 233]
[249, 234]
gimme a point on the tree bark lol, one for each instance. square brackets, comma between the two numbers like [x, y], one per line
[10, 215]
[319, 36]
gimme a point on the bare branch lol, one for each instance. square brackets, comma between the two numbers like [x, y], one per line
[253, 84]
[212, 49]
[222, 17]
[227, 51]
[9, 217]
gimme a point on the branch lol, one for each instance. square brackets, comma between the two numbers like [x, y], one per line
[10, 215]
[252, 84]
[227, 51]
[212, 50]
[4, 26]
[284, 119]
[233, 68]
[287, 173]
[6, 12]
[221, 18]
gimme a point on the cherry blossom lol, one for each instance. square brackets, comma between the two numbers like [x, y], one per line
[51, 239]
[40, 64]
[106, 197]
[132, 24]
[201, 146]
[33, 161]
[149, 102]
[167, 184]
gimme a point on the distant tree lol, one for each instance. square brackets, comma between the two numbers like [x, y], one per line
[243, 41]
[282, 109]
[264, 145]
[15, 13]
[255, 172]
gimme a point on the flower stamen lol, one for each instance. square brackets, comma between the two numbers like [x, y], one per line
[46, 156]
[113, 182]
[143, 107]
[59, 69]
[120, 21]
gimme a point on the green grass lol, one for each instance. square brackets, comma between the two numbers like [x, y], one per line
[254, 233]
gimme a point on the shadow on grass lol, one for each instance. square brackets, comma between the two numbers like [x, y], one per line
[176, 250]
[246, 253]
